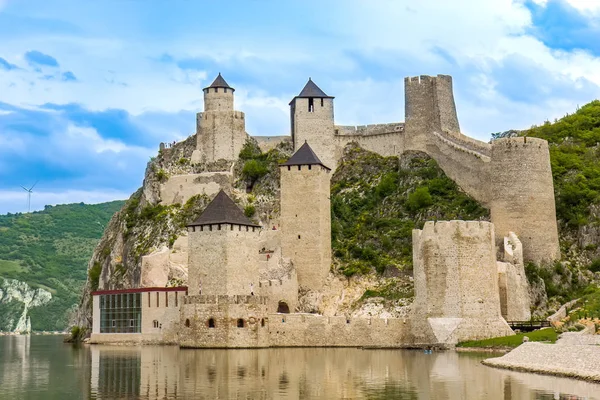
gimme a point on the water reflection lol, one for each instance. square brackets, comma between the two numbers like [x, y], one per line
[45, 368]
[168, 372]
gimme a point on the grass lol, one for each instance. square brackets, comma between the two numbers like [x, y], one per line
[542, 335]
[7, 267]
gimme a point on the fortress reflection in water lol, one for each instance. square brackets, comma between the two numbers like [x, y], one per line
[169, 372]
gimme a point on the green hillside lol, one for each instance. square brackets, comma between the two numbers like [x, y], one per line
[50, 249]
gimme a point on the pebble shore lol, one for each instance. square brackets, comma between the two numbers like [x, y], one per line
[571, 360]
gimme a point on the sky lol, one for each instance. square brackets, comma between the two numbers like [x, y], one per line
[88, 89]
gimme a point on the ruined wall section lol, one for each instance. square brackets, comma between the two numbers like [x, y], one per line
[515, 302]
[522, 196]
[306, 222]
[180, 188]
[223, 259]
[456, 283]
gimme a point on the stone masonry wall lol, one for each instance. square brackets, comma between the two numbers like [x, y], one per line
[221, 135]
[225, 312]
[223, 261]
[456, 283]
[306, 222]
[179, 188]
[284, 289]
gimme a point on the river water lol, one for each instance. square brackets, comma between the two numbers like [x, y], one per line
[42, 367]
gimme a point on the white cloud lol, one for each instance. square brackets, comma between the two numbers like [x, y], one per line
[16, 201]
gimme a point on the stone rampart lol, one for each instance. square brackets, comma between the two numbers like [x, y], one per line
[522, 196]
[367, 130]
[223, 323]
[180, 188]
[284, 289]
[310, 330]
[456, 283]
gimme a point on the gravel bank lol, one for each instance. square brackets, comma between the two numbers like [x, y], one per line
[574, 361]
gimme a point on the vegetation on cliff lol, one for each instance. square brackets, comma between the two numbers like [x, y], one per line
[377, 201]
[50, 249]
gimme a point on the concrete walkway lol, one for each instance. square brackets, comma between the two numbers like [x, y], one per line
[570, 360]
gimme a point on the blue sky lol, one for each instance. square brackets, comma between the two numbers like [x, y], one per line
[89, 89]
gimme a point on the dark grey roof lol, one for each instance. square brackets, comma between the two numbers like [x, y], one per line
[304, 156]
[312, 90]
[219, 82]
[222, 210]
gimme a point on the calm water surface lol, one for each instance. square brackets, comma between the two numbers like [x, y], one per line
[42, 367]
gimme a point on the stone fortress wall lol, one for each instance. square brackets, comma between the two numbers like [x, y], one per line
[510, 176]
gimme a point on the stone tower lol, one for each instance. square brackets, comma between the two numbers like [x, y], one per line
[220, 131]
[429, 106]
[223, 250]
[522, 196]
[456, 283]
[306, 216]
[311, 114]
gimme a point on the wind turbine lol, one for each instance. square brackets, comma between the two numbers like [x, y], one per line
[29, 191]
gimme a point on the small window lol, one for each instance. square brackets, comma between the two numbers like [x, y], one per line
[321, 102]
[299, 167]
[219, 227]
[240, 323]
[155, 323]
[131, 323]
[309, 167]
[157, 299]
[298, 236]
[311, 105]
[347, 321]
[262, 322]
[166, 299]
[176, 299]
[187, 323]
[216, 90]
[211, 323]
[289, 167]
[114, 323]
[148, 299]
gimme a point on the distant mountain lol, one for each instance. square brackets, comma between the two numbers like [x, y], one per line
[43, 263]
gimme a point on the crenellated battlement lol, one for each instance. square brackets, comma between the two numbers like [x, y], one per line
[224, 299]
[457, 227]
[369, 130]
[521, 142]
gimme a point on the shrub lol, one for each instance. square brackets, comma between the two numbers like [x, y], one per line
[249, 211]
[94, 275]
[419, 199]
[254, 170]
[161, 175]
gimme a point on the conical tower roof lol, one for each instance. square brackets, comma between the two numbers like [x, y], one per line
[219, 82]
[312, 90]
[222, 210]
[304, 156]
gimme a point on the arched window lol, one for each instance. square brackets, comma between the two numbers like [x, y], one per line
[211, 323]
[283, 308]
[187, 323]
[240, 323]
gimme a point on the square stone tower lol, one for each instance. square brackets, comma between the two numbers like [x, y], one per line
[306, 216]
[312, 120]
[220, 131]
[223, 251]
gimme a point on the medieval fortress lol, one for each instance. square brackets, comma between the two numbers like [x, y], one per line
[244, 280]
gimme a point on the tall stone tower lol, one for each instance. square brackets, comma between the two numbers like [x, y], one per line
[311, 114]
[223, 250]
[220, 131]
[429, 106]
[306, 216]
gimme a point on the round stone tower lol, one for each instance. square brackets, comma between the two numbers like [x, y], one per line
[218, 96]
[522, 196]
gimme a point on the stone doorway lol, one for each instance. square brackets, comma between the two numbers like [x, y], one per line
[283, 308]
